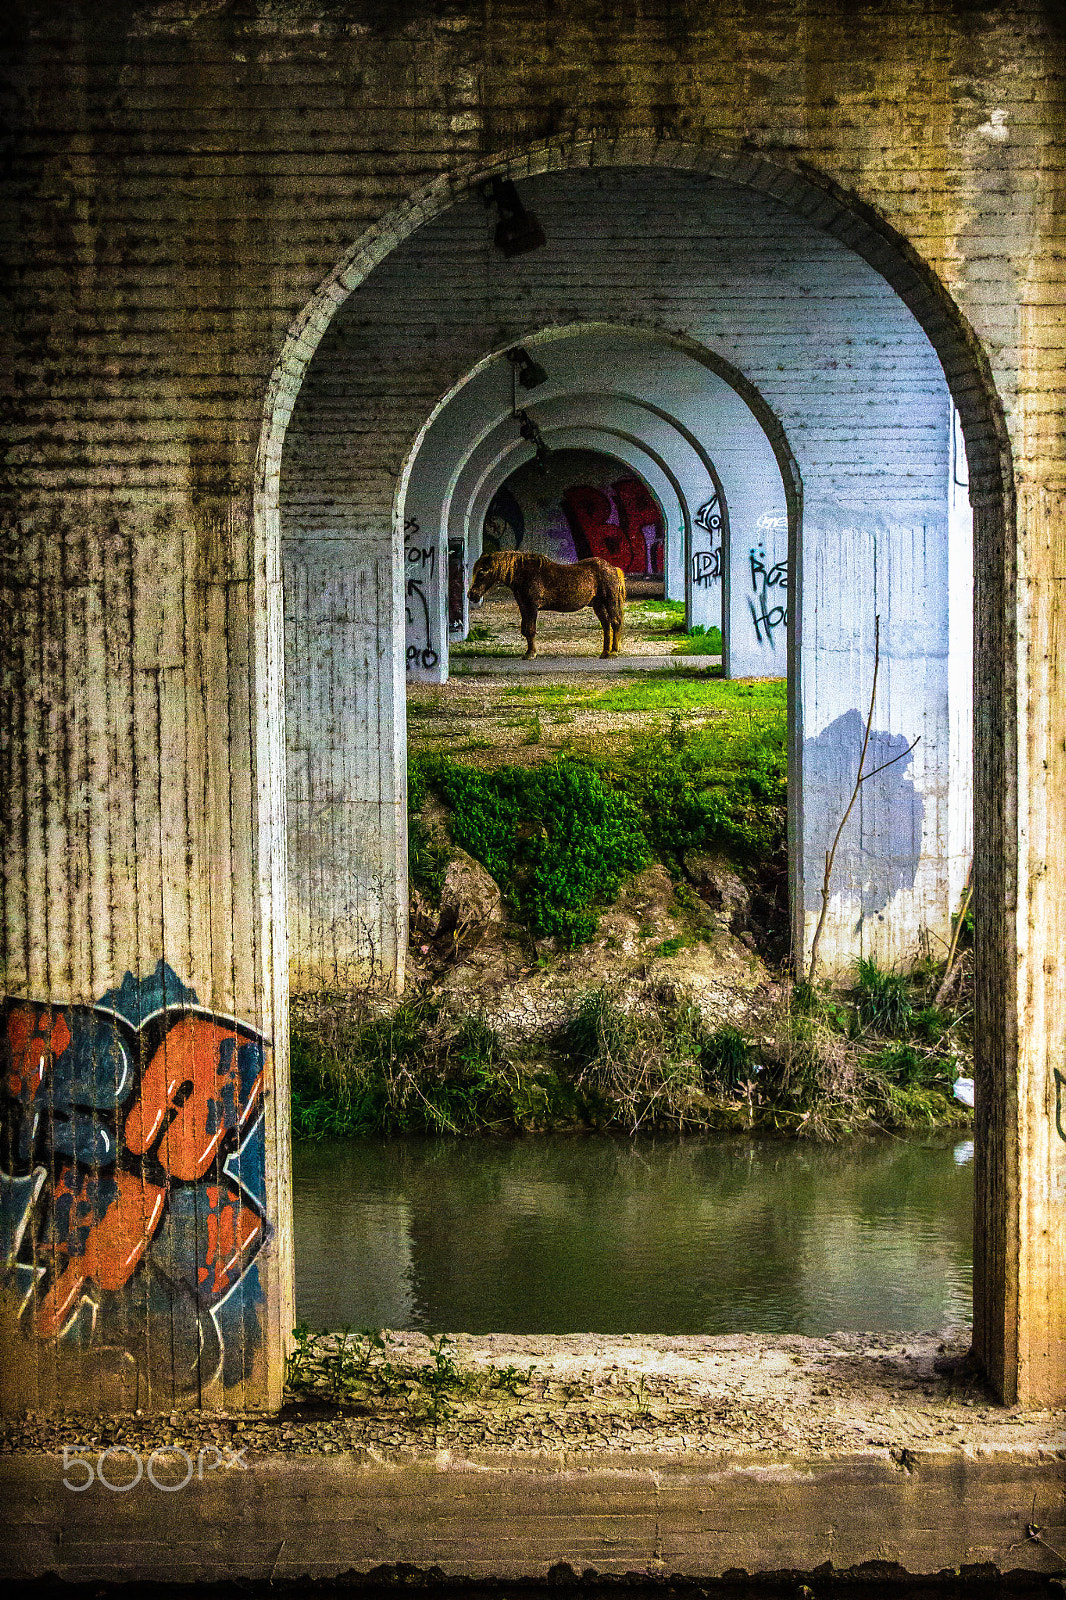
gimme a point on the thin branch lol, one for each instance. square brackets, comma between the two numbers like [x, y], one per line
[886, 764]
[830, 854]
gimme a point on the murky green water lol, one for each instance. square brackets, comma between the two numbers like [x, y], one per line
[575, 1235]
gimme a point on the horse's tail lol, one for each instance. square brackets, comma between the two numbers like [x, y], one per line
[622, 575]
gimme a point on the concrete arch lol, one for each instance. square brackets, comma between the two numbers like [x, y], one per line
[479, 406]
[627, 449]
[1001, 1323]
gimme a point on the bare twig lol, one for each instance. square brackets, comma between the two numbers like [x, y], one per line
[866, 776]
[830, 854]
[860, 779]
[949, 970]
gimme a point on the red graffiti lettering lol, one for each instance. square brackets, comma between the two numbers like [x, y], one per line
[613, 528]
[194, 1078]
[34, 1039]
[639, 513]
[103, 1245]
[231, 1229]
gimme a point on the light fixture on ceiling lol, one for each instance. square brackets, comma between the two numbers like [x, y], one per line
[517, 230]
[530, 432]
[529, 373]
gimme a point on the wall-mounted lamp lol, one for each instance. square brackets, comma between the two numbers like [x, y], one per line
[530, 373]
[517, 230]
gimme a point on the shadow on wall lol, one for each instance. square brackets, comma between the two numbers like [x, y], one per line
[132, 1187]
[880, 848]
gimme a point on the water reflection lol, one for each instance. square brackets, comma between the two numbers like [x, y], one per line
[573, 1235]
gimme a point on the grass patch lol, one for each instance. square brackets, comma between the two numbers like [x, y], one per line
[666, 689]
[645, 1060]
[700, 641]
[561, 836]
[409, 1070]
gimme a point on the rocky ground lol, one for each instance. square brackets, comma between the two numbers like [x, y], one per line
[650, 946]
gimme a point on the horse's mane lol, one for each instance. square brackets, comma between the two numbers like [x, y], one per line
[508, 563]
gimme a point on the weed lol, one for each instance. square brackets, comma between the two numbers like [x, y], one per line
[536, 730]
[412, 1069]
[511, 1378]
[444, 1373]
[882, 999]
[725, 1058]
[300, 1362]
[929, 1024]
[640, 1066]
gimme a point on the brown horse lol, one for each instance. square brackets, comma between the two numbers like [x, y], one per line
[542, 585]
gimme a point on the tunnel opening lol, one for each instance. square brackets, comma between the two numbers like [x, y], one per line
[977, 405]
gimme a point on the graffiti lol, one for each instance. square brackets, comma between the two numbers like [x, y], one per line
[709, 516]
[706, 566]
[421, 567]
[776, 577]
[767, 622]
[771, 524]
[622, 524]
[1060, 1103]
[766, 617]
[505, 523]
[132, 1178]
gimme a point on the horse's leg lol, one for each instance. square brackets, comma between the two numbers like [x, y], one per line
[529, 628]
[617, 621]
[601, 610]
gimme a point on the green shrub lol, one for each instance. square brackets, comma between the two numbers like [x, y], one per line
[427, 858]
[709, 789]
[882, 999]
[700, 641]
[555, 837]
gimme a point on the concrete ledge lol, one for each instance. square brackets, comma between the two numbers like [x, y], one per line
[498, 1515]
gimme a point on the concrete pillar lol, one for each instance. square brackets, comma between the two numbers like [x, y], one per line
[143, 1048]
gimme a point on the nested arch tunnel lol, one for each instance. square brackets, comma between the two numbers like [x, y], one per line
[856, 397]
[154, 888]
[833, 360]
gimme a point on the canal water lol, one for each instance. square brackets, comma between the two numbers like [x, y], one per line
[593, 1235]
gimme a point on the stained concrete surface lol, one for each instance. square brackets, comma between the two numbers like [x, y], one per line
[618, 1454]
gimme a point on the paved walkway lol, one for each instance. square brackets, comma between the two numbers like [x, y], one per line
[550, 665]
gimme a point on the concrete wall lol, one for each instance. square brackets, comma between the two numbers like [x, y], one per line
[192, 194]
